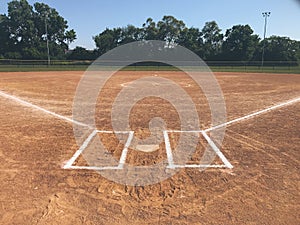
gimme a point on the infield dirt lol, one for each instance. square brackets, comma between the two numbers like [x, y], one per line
[262, 188]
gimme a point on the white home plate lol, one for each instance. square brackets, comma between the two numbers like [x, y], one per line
[147, 148]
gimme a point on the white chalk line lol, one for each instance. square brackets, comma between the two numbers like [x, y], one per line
[94, 168]
[70, 162]
[33, 106]
[217, 150]
[125, 150]
[119, 168]
[198, 166]
[122, 161]
[171, 165]
[289, 102]
[168, 150]
[28, 104]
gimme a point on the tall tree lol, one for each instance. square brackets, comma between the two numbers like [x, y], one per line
[56, 24]
[70, 36]
[213, 39]
[27, 31]
[150, 31]
[21, 23]
[107, 40]
[240, 43]
[130, 33]
[191, 38]
[169, 29]
[6, 44]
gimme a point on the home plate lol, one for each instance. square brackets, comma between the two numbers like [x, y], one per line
[147, 148]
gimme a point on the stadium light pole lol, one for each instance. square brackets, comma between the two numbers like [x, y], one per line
[265, 15]
[47, 41]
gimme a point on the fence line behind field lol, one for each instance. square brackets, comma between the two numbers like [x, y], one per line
[10, 65]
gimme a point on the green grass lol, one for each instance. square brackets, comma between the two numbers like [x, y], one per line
[28, 68]
[256, 69]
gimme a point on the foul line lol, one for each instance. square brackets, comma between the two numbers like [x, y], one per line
[30, 105]
[292, 101]
[69, 164]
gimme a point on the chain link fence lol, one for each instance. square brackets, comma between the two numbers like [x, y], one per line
[10, 65]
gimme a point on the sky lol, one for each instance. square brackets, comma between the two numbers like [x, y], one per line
[90, 17]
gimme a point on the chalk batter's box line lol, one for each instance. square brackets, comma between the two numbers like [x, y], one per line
[122, 161]
[70, 162]
[171, 163]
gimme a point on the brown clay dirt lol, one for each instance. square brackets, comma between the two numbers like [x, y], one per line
[262, 188]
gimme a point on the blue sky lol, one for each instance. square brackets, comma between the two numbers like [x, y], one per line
[90, 17]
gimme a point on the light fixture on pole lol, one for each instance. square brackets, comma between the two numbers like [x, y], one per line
[265, 15]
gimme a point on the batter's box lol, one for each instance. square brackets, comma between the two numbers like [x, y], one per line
[102, 150]
[114, 151]
[197, 150]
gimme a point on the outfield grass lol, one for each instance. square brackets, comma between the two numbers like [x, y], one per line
[255, 69]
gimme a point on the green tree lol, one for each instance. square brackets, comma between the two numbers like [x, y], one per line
[278, 48]
[56, 29]
[6, 44]
[298, 52]
[150, 31]
[107, 40]
[169, 29]
[240, 43]
[191, 38]
[21, 24]
[70, 36]
[80, 53]
[213, 39]
[27, 34]
[130, 33]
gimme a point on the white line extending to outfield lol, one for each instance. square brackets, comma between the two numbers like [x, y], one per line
[70, 162]
[33, 106]
[289, 102]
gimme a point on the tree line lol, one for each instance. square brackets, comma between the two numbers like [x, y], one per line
[25, 29]
[238, 43]
[23, 36]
